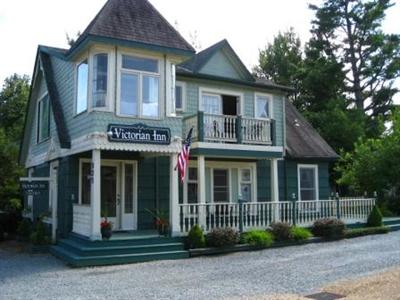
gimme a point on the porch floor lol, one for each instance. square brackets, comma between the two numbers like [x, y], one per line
[134, 235]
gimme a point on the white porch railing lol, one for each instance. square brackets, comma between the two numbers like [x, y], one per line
[261, 214]
[226, 128]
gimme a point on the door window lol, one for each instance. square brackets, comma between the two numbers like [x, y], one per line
[245, 184]
[109, 191]
[221, 185]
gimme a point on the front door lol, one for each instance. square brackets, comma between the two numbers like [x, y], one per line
[110, 194]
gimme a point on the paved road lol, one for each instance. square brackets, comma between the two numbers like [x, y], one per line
[299, 269]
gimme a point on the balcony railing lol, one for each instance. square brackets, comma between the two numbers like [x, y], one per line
[261, 214]
[229, 129]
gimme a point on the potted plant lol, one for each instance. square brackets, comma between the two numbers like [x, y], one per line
[106, 229]
[161, 221]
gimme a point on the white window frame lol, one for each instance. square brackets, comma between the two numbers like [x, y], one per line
[220, 92]
[241, 181]
[307, 166]
[182, 85]
[40, 140]
[230, 166]
[270, 100]
[140, 74]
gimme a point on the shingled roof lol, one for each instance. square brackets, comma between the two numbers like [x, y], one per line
[302, 140]
[134, 21]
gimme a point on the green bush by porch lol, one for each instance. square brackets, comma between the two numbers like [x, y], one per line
[258, 238]
[196, 238]
[375, 217]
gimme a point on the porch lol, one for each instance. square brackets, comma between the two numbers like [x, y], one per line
[244, 216]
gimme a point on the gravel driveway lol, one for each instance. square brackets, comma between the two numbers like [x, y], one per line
[299, 269]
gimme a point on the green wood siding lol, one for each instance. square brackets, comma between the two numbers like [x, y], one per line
[220, 65]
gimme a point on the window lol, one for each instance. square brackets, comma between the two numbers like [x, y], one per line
[308, 182]
[262, 106]
[211, 104]
[179, 97]
[245, 184]
[99, 92]
[221, 185]
[140, 87]
[85, 183]
[128, 188]
[82, 87]
[43, 124]
[192, 186]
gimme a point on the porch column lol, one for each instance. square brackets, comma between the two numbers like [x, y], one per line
[201, 190]
[96, 195]
[173, 195]
[275, 188]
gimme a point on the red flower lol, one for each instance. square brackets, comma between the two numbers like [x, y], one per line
[105, 224]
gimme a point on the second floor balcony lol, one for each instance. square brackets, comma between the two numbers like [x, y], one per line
[229, 129]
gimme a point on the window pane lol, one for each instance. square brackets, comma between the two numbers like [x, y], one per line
[100, 65]
[246, 175]
[150, 96]
[262, 107]
[178, 97]
[307, 178]
[221, 192]
[82, 87]
[44, 118]
[308, 195]
[193, 174]
[129, 94]
[192, 193]
[85, 183]
[245, 190]
[212, 104]
[139, 63]
[128, 189]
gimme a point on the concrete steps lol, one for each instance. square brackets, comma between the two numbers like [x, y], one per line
[81, 252]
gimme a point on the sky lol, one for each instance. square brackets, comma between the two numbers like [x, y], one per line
[247, 25]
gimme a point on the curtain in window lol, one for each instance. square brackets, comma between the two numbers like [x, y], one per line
[129, 94]
[150, 96]
[212, 104]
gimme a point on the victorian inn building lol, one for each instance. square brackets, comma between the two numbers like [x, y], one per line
[106, 120]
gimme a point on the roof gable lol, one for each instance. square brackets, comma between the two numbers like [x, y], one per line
[218, 60]
[133, 21]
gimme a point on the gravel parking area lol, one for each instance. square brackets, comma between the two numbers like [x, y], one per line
[291, 270]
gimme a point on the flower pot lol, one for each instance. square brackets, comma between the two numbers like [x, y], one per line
[162, 230]
[106, 233]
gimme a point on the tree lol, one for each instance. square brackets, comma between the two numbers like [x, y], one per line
[281, 60]
[350, 31]
[13, 100]
[374, 164]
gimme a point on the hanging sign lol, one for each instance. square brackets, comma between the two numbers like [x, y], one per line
[139, 133]
[34, 187]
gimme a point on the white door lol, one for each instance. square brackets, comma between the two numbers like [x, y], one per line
[129, 196]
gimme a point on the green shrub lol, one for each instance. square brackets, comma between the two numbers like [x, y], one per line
[39, 236]
[375, 218]
[281, 231]
[300, 234]
[25, 228]
[328, 228]
[350, 233]
[195, 238]
[220, 237]
[259, 238]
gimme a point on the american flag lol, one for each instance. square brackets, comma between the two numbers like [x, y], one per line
[183, 156]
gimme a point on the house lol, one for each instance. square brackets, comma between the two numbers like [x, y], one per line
[107, 117]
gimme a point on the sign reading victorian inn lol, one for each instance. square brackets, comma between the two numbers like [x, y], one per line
[138, 133]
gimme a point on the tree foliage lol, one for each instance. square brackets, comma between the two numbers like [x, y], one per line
[13, 99]
[349, 31]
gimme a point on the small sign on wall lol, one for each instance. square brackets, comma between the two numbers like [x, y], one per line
[34, 188]
[139, 133]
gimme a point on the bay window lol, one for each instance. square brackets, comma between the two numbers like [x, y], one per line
[99, 87]
[140, 87]
[263, 106]
[82, 87]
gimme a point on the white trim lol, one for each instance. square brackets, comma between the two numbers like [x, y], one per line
[270, 99]
[39, 117]
[75, 106]
[220, 92]
[308, 166]
[236, 147]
